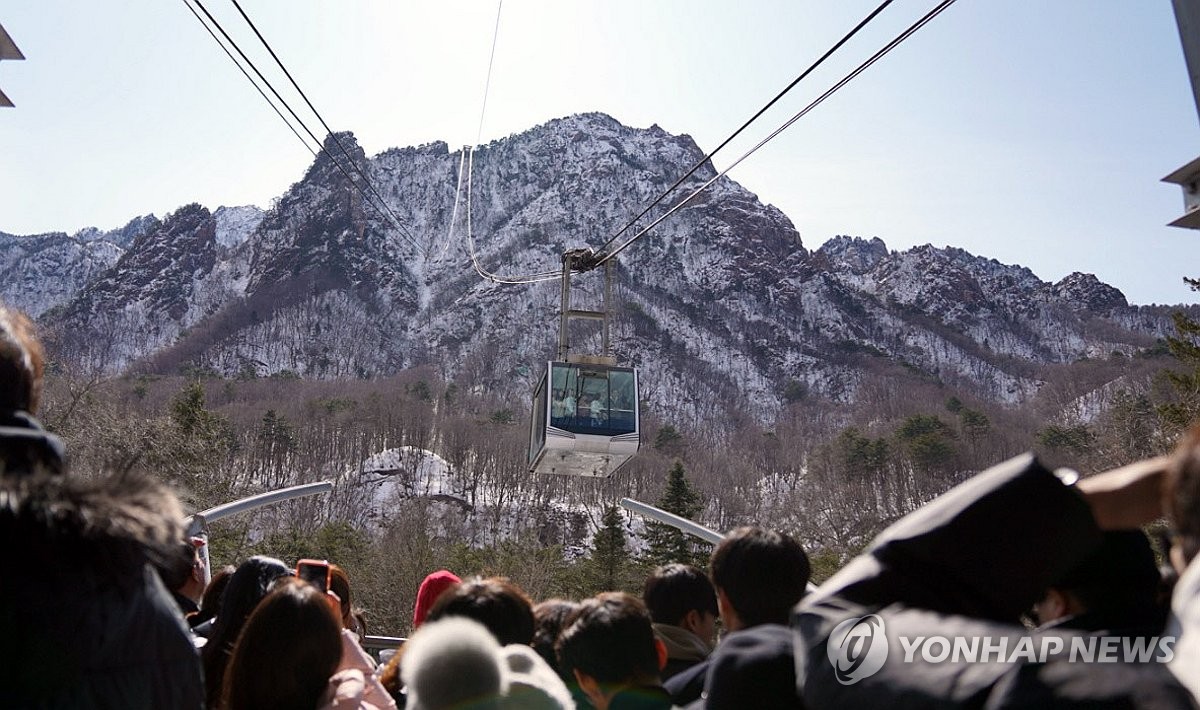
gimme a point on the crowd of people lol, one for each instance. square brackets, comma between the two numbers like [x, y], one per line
[104, 603]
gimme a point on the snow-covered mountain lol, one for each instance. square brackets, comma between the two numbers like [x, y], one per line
[41, 271]
[719, 304]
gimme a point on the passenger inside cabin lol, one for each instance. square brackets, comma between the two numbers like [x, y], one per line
[568, 406]
[597, 411]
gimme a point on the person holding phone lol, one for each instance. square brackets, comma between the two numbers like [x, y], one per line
[293, 653]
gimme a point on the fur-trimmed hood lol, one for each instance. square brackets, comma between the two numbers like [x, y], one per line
[110, 526]
[86, 621]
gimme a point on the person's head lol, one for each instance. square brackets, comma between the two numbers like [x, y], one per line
[339, 584]
[247, 587]
[1182, 499]
[548, 619]
[753, 668]
[1119, 581]
[286, 653]
[453, 663]
[210, 603]
[25, 449]
[681, 595]
[609, 645]
[21, 363]
[431, 588]
[759, 575]
[495, 602]
[183, 572]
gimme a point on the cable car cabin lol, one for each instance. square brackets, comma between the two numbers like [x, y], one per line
[585, 420]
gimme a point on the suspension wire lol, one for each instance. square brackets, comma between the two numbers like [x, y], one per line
[298, 120]
[462, 167]
[699, 164]
[834, 89]
[534, 278]
[494, 278]
[353, 164]
[487, 84]
[250, 79]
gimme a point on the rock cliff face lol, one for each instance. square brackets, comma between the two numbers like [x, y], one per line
[720, 304]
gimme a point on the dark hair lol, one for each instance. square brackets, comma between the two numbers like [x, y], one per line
[610, 638]
[247, 587]
[495, 602]
[1182, 494]
[22, 361]
[1119, 577]
[177, 568]
[671, 591]
[763, 574]
[549, 617]
[210, 603]
[286, 653]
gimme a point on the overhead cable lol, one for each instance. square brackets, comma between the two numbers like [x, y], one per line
[484, 273]
[298, 120]
[353, 164]
[752, 119]
[602, 258]
[494, 278]
[462, 169]
[250, 79]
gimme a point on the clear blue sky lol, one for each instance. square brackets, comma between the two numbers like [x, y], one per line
[1030, 131]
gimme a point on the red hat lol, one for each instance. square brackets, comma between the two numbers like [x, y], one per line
[431, 588]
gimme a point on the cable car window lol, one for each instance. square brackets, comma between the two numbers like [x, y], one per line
[623, 389]
[564, 404]
[591, 399]
[537, 437]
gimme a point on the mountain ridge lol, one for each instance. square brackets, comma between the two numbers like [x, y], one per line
[721, 301]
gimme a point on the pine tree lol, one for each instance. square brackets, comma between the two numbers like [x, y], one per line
[193, 447]
[1177, 415]
[609, 563]
[668, 544]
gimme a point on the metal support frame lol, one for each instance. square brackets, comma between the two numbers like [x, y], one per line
[1187, 17]
[197, 525]
[583, 260]
[688, 527]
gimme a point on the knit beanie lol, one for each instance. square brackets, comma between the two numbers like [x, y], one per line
[431, 588]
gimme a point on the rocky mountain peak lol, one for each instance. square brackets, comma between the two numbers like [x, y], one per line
[854, 253]
[121, 236]
[1085, 292]
[234, 225]
[336, 162]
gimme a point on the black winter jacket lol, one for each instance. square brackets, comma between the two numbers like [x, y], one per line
[966, 565]
[85, 621]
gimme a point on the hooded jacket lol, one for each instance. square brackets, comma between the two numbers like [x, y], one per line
[84, 618]
[964, 567]
[684, 648]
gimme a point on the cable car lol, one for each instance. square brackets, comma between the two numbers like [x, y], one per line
[585, 419]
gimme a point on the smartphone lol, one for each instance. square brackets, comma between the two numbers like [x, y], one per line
[315, 572]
